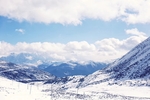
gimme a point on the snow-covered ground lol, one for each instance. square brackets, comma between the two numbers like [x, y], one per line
[12, 90]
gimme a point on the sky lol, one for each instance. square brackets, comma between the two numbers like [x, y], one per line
[77, 30]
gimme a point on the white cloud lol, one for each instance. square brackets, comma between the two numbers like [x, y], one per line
[135, 31]
[29, 57]
[20, 30]
[79, 46]
[103, 50]
[5, 48]
[74, 11]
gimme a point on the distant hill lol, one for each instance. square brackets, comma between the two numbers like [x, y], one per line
[73, 68]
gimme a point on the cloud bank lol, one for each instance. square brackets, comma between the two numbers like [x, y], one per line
[101, 51]
[74, 11]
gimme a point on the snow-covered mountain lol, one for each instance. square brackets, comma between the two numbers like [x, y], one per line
[59, 69]
[134, 65]
[132, 69]
[27, 59]
[73, 68]
[22, 73]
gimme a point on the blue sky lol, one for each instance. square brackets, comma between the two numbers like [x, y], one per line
[90, 30]
[107, 28]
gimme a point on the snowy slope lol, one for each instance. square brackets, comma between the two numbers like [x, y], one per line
[22, 73]
[132, 69]
[12, 90]
[134, 65]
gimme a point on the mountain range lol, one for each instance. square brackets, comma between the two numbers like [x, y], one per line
[59, 69]
[73, 68]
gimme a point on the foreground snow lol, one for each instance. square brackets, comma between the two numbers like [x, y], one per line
[11, 90]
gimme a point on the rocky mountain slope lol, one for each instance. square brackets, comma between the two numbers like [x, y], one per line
[132, 69]
[22, 73]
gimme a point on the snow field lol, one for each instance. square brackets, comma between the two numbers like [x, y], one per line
[12, 90]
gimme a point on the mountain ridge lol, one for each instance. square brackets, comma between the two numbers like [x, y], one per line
[131, 69]
[23, 73]
[59, 69]
[74, 68]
